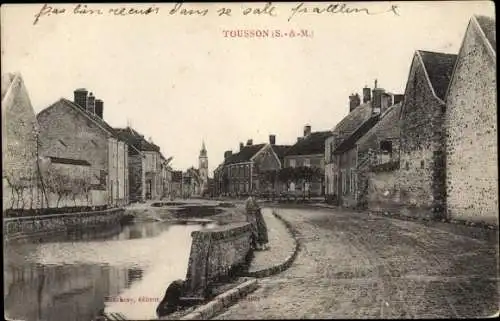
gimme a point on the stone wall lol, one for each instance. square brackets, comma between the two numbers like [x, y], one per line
[215, 253]
[471, 126]
[421, 138]
[23, 227]
[19, 137]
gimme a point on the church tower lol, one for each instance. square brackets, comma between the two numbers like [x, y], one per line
[203, 165]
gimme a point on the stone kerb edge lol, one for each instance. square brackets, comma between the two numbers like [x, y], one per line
[288, 262]
[222, 301]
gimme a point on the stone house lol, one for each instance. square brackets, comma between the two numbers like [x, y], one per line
[308, 151]
[76, 130]
[176, 190]
[346, 149]
[20, 175]
[250, 169]
[146, 175]
[471, 127]
[422, 169]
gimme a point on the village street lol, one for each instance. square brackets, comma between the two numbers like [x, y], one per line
[353, 265]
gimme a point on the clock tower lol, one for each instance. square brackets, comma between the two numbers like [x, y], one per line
[203, 166]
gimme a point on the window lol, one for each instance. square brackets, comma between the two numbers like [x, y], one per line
[292, 162]
[386, 147]
[307, 162]
[422, 165]
[343, 182]
[407, 166]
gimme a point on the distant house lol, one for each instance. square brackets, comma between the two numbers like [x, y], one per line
[76, 130]
[308, 151]
[176, 190]
[472, 128]
[249, 169]
[20, 176]
[421, 181]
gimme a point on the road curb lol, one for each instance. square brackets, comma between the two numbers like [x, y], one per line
[288, 262]
[222, 301]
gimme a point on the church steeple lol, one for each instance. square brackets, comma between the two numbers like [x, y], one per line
[203, 151]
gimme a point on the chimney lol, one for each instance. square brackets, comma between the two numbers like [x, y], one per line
[249, 142]
[354, 101]
[386, 102]
[91, 104]
[80, 97]
[272, 139]
[377, 99]
[366, 94]
[99, 108]
[398, 98]
[307, 130]
[228, 153]
[241, 146]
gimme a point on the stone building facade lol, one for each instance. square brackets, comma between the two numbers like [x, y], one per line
[422, 169]
[308, 151]
[472, 128]
[72, 131]
[20, 176]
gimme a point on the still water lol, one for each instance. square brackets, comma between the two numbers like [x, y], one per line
[76, 278]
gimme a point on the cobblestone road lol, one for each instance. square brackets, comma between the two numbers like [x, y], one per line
[354, 265]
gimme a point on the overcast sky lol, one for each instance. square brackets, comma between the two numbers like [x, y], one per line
[179, 80]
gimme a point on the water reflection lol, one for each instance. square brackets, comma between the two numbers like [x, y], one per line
[75, 279]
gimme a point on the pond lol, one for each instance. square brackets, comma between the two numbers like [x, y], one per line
[79, 276]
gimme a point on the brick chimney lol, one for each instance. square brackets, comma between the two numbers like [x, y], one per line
[272, 139]
[91, 103]
[354, 101]
[228, 153]
[377, 99]
[386, 102]
[398, 98]
[249, 142]
[80, 97]
[307, 130]
[367, 94]
[241, 146]
[99, 108]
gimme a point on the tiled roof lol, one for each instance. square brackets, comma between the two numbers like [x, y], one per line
[488, 25]
[244, 155]
[349, 142]
[310, 145]
[281, 150]
[439, 67]
[58, 160]
[132, 137]
[387, 127]
[352, 121]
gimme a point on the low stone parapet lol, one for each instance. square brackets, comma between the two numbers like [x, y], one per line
[21, 227]
[215, 255]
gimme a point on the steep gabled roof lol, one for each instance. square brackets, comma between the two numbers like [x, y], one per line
[96, 119]
[350, 141]
[132, 137]
[488, 25]
[439, 68]
[281, 150]
[387, 127]
[352, 121]
[244, 155]
[310, 145]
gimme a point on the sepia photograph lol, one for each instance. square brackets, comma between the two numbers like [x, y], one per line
[249, 160]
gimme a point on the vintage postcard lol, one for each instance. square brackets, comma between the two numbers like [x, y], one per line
[249, 160]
